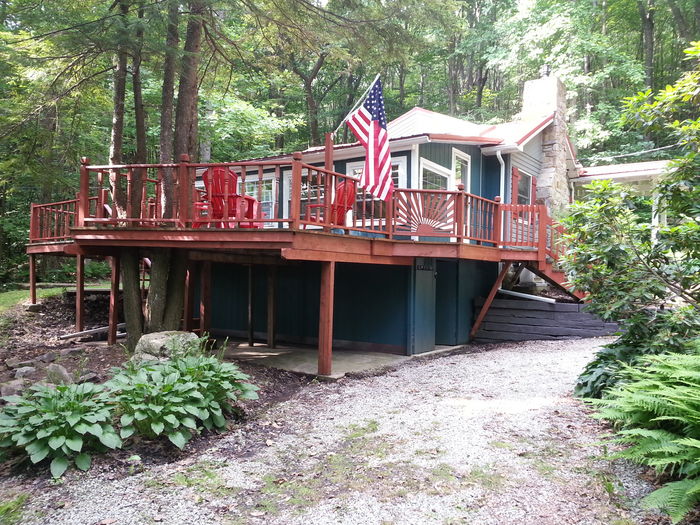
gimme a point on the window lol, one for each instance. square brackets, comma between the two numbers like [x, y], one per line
[524, 188]
[461, 167]
[365, 204]
[263, 192]
[433, 176]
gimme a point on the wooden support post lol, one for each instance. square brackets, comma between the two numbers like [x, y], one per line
[251, 295]
[205, 298]
[185, 190]
[460, 208]
[189, 299]
[79, 293]
[497, 222]
[113, 302]
[271, 306]
[489, 299]
[32, 278]
[542, 217]
[325, 323]
[84, 194]
[328, 183]
[295, 204]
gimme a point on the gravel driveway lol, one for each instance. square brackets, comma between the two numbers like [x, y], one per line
[486, 438]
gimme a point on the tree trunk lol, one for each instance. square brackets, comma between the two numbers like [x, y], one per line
[646, 13]
[679, 19]
[141, 156]
[117, 138]
[166, 108]
[186, 109]
[133, 308]
[312, 108]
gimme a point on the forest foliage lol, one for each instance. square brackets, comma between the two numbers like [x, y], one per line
[273, 76]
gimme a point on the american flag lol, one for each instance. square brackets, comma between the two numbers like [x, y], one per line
[368, 123]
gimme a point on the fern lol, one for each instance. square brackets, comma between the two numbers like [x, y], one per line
[656, 409]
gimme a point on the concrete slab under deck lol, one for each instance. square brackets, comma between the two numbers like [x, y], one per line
[304, 360]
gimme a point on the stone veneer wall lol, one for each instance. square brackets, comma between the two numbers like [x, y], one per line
[541, 97]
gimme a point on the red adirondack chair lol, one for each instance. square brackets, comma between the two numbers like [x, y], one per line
[223, 201]
[345, 194]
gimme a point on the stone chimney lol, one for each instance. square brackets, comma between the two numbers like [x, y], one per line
[541, 98]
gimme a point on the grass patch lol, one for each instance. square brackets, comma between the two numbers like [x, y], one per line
[486, 477]
[358, 431]
[204, 478]
[14, 297]
[502, 444]
[11, 511]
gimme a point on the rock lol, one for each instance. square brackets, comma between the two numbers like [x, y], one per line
[25, 371]
[90, 377]
[57, 374]
[66, 352]
[161, 345]
[34, 307]
[12, 388]
[48, 357]
[17, 362]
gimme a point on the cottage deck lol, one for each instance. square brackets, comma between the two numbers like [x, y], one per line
[293, 218]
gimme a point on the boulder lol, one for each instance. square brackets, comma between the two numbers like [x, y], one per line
[90, 377]
[71, 351]
[12, 388]
[48, 357]
[161, 345]
[34, 307]
[57, 374]
[17, 362]
[24, 371]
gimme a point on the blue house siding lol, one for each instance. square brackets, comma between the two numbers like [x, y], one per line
[458, 283]
[371, 304]
[442, 154]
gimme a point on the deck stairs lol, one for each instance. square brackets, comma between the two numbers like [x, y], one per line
[550, 273]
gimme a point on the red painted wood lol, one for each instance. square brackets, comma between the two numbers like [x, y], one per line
[113, 302]
[83, 206]
[32, 278]
[295, 206]
[79, 293]
[487, 304]
[325, 324]
[185, 187]
[514, 180]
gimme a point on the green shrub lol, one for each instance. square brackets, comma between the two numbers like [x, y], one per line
[648, 332]
[63, 423]
[177, 398]
[656, 410]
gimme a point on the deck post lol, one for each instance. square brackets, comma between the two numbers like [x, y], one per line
[32, 278]
[79, 293]
[251, 295]
[271, 306]
[542, 233]
[295, 205]
[497, 222]
[113, 301]
[487, 304]
[459, 212]
[189, 299]
[328, 183]
[205, 298]
[325, 322]
[84, 194]
[185, 189]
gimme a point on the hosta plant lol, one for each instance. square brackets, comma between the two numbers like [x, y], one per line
[176, 398]
[63, 424]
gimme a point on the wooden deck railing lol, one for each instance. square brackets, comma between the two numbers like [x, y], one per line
[288, 194]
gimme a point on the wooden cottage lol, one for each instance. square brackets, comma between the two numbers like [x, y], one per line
[290, 249]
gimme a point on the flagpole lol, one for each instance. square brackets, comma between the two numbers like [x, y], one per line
[357, 104]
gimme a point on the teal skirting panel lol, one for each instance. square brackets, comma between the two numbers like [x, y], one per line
[370, 304]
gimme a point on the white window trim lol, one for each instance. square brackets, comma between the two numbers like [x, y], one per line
[529, 187]
[459, 154]
[398, 161]
[437, 168]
